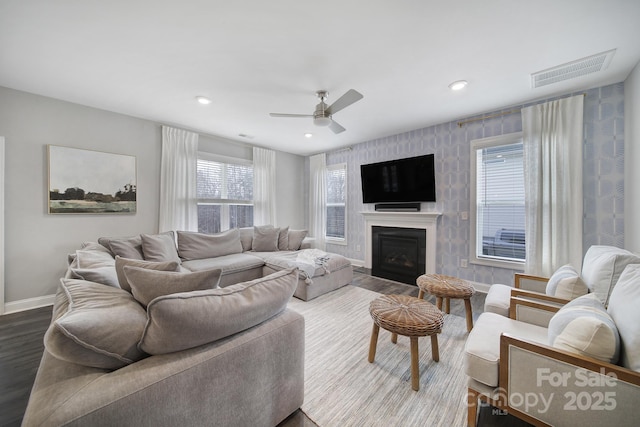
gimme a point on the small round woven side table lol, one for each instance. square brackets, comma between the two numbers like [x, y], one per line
[408, 316]
[447, 287]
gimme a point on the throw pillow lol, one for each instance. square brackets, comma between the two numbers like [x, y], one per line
[283, 238]
[159, 247]
[103, 275]
[126, 247]
[265, 239]
[583, 326]
[151, 265]
[149, 284]
[94, 246]
[180, 321]
[624, 309]
[602, 266]
[200, 246]
[566, 283]
[95, 325]
[295, 239]
[246, 237]
[93, 259]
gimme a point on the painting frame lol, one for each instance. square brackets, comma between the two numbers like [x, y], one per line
[82, 181]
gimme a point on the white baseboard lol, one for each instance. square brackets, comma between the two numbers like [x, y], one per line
[356, 262]
[28, 304]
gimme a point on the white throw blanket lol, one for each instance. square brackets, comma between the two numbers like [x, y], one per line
[308, 260]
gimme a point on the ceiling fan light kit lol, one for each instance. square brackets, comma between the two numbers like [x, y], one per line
[322, 116]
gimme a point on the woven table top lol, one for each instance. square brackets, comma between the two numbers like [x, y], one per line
[445, 286]
[405, 315]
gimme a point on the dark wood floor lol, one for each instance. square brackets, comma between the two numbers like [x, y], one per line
[21, 347]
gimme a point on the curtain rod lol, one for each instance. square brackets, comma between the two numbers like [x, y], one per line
[491, 116]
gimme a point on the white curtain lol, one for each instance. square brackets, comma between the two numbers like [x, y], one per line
[264, 186]
[552, 143]
[318, 199]
[178, 197]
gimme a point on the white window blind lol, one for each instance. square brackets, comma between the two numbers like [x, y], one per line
[336, 201]
[499, 201]
[225, 193]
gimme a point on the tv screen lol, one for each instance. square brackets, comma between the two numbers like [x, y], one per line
[403, 180]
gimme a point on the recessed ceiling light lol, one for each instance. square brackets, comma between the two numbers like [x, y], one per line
[203, 100]
[308, 135]
[457, 85]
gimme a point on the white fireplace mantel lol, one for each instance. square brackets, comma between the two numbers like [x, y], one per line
[427, 221]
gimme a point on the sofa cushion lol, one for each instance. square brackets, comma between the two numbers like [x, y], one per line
[149, 284]
[126, 247]
[103, 275]
[482, 349]
[283, 238]
[246, 237]
[227, 263]
[566, 283]
[193, 245]
[93, 259]
[624, 308]
[583, 326]
[180, 321]
[151, 265]
[159, 247]
[95, 325]
[295, 239]
[602, 266]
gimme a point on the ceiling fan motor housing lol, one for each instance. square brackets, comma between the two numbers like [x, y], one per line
[320, 116]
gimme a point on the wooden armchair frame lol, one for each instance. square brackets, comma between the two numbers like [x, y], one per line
[525, 365]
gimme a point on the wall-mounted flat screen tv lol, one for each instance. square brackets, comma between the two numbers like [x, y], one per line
[403, 180]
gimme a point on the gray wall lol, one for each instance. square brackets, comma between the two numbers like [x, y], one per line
[36, 243]
[631, 160]
[602, 183]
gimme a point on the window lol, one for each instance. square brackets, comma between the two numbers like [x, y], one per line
[225, 193]
[336, 202]
[497, 186]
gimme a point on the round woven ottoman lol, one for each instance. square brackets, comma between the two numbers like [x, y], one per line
[447, 287]
[408, 316]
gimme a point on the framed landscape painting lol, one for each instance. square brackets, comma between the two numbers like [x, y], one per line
[90, 182]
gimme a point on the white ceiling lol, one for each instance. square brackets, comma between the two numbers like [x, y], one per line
[151, 58]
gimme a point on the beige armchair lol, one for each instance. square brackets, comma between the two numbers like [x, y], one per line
[582, 368]
[601, 268]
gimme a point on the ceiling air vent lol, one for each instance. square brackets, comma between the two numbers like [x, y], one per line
[570, 70]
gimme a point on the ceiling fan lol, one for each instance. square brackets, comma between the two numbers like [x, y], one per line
[322, 115]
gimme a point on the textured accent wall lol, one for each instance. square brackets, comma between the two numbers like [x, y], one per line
[603, 179]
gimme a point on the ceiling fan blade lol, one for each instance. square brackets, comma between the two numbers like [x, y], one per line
[289, 115]
[335, 127]
[344, 101]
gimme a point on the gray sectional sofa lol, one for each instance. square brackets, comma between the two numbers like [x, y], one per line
[180, 329]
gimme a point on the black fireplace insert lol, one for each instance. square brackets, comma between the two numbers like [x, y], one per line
[398, 253]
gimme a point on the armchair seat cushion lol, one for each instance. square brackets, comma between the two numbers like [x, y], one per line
[497, 300]
[482, 350]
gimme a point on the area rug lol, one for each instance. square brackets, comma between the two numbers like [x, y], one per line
[343, 389]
